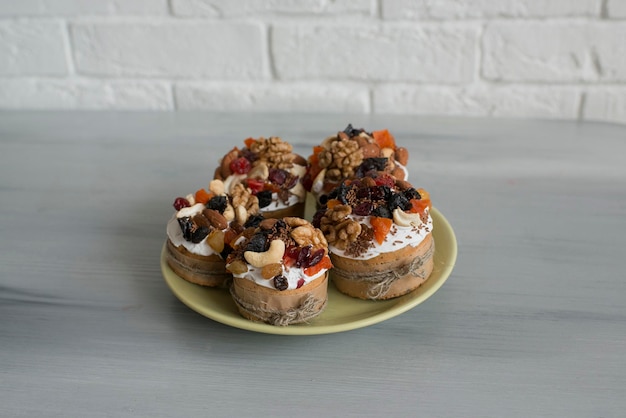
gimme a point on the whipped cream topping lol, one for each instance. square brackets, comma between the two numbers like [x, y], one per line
[175, 235]
[397, 238]
[293, 275]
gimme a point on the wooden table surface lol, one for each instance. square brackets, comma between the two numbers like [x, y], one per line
[531, 323]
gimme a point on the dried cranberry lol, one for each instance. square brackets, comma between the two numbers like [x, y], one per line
[303, 256]
[277, 176]
[300, 283]
[265, 198]
[316, 257]
[385, 180]
[281, 283]
[255, 185]
[217, 203]
[181, 202]
[363, 209]
[240, 165]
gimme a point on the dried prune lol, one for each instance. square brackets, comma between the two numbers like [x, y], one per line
[411, 193]
[186, 226]
[371, 164]
[398, 200]
[364, 193]
[198, 234]
[258, 243]
[350, 131]
[254, 221]
[382, 212]
[380, 192]
[265, 198]
[217, 203]
[226, 251]
[281, 282]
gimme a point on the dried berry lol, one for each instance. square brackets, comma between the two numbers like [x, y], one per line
[240, 165]
[316, 257]
[350, 131]
[317, 218]
[181, 202]
[265, 198]
[303, 256]
[364, 193]
[249, 155]
[199, 234]
[340, 192]
[258, 243]
[385, 180]
[363, 208]
[371, 164]
[217, 203]
[277, 176]
[281, 283]
[380, 193]
[254, 221]
[300, 283]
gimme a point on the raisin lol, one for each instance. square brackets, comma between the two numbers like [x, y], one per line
[265, 198]
[281, 283]
[199, 234]
[277, 176]
[258, 243]
[371, 164]
[380, 192]
[217, 203]
[254, 221]
[181, 202]
[382, 212]
[249, 155]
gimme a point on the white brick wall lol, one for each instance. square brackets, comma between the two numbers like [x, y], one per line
[508, 58]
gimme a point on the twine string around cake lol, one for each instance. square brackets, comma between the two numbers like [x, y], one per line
[308, 309]
[381, 281]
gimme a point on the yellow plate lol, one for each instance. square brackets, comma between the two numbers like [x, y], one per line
[342, 313]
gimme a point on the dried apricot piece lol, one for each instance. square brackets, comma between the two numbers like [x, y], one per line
[381, 227]
[384, 139]
[332, 203]
[324, 264]
[202, 196]
[249, 142]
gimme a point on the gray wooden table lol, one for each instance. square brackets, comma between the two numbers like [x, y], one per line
[531, 323]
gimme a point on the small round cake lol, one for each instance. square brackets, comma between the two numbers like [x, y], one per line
[352, 153]
[268, 169]
[280, 272]
[379, 233]
[201, 230]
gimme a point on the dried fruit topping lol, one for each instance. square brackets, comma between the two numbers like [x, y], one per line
[316, 257]
[254, 220]
[411, 193]
[191, 231]
[181, 202]
[281, 283]
[265, 198]
[398, 200]
[325, 263]
[240, 165]
[363, 208]
[255, 185]
[384, 139]
[257, 243]
[385, 180]
[382, 212]
[350, 131]
[300, 283]
[202, 196]
[369, 165]
[381, 228]
[217, 203]
[303, 256]
[277, 176]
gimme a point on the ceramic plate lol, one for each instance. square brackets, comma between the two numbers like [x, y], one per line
[342, 312]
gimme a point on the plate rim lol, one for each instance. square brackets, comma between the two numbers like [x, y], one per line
[312, 329]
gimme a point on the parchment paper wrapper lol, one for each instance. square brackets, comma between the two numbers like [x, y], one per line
[276, 307]
[202, 270]
[387, 275]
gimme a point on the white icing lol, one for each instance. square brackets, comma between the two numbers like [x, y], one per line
[278, 204]
[293, 275]
[397, 238]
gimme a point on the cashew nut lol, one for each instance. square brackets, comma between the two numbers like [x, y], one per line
[259, 171]
[318, 182]
[241, 215]
[191, 199]
[299, 191]
[190, 210]
[402, 218]
[216, 187]
[298, 170]
[273, 255]
[229, 213]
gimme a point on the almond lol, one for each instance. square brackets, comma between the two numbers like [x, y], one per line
[402, 156]
[216, 219]
[370, 151]
[271, 270]
[398, 173]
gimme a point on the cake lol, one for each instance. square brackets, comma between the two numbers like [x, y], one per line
[268, 169]
[352, 153]
[379, 234]
[199, 233]
[280, 272]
